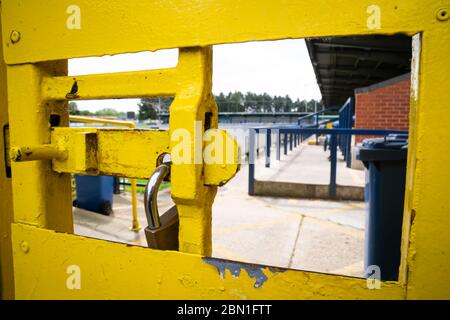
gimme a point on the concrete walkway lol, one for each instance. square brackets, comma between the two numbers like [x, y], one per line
[315, 235]
[307, 164]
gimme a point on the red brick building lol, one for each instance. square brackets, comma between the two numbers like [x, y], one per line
[384, 105]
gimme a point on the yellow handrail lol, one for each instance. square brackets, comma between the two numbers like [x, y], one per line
[135, 224]
[129, 124]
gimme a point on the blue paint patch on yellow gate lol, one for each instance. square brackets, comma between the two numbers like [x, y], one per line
[253, 270]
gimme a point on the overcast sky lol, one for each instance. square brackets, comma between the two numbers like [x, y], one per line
[276, 67]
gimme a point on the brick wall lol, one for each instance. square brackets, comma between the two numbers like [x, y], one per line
[383, 106]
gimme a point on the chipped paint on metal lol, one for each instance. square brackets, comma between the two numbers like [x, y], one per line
[132, 272]
[254, 271]
[416, 48]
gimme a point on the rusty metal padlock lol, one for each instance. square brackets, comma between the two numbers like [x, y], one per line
[162, 232]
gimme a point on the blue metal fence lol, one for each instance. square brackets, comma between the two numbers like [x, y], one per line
[298, 134]
[346, 122]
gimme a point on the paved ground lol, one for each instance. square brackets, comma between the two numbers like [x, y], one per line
[308, 164]
[316, 235]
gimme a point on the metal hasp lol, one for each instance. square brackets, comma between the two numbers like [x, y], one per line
[130, 124]
[162, 232]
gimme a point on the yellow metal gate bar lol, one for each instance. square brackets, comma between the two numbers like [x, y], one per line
[162, 24]
[135, 226]
[123, 272]
[6, 215]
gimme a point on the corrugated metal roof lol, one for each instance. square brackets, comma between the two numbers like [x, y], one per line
[342, 64]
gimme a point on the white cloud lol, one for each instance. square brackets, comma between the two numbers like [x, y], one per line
[276, 67]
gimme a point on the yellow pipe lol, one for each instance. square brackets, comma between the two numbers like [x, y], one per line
[135, 224]
[39, 152]
[128, 124]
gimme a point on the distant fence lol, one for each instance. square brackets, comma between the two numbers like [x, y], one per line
[289, 137]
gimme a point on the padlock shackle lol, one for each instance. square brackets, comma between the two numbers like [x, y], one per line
[151, 195]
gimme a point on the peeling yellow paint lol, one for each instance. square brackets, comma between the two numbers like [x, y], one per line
[123, 272]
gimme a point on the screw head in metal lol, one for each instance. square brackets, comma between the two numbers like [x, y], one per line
[15, 36]
[25, 246]
[443, 14]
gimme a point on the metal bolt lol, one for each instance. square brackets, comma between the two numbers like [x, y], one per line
[15, 36]
[25, 246]
[443, 14]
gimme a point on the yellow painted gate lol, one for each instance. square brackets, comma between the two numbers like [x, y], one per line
[39, 246]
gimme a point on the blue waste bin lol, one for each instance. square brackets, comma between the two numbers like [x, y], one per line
[95, 193]
[385, 161]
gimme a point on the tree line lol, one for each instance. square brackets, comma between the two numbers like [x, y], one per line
[149, 108]
[253, 102]
[235, 102]
[110, 112]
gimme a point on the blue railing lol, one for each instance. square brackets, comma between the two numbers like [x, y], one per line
[309, 121]
[312, 119]
[293, 135]
[346, 122]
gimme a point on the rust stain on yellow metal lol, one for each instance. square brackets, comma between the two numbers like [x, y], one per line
[42, 197]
